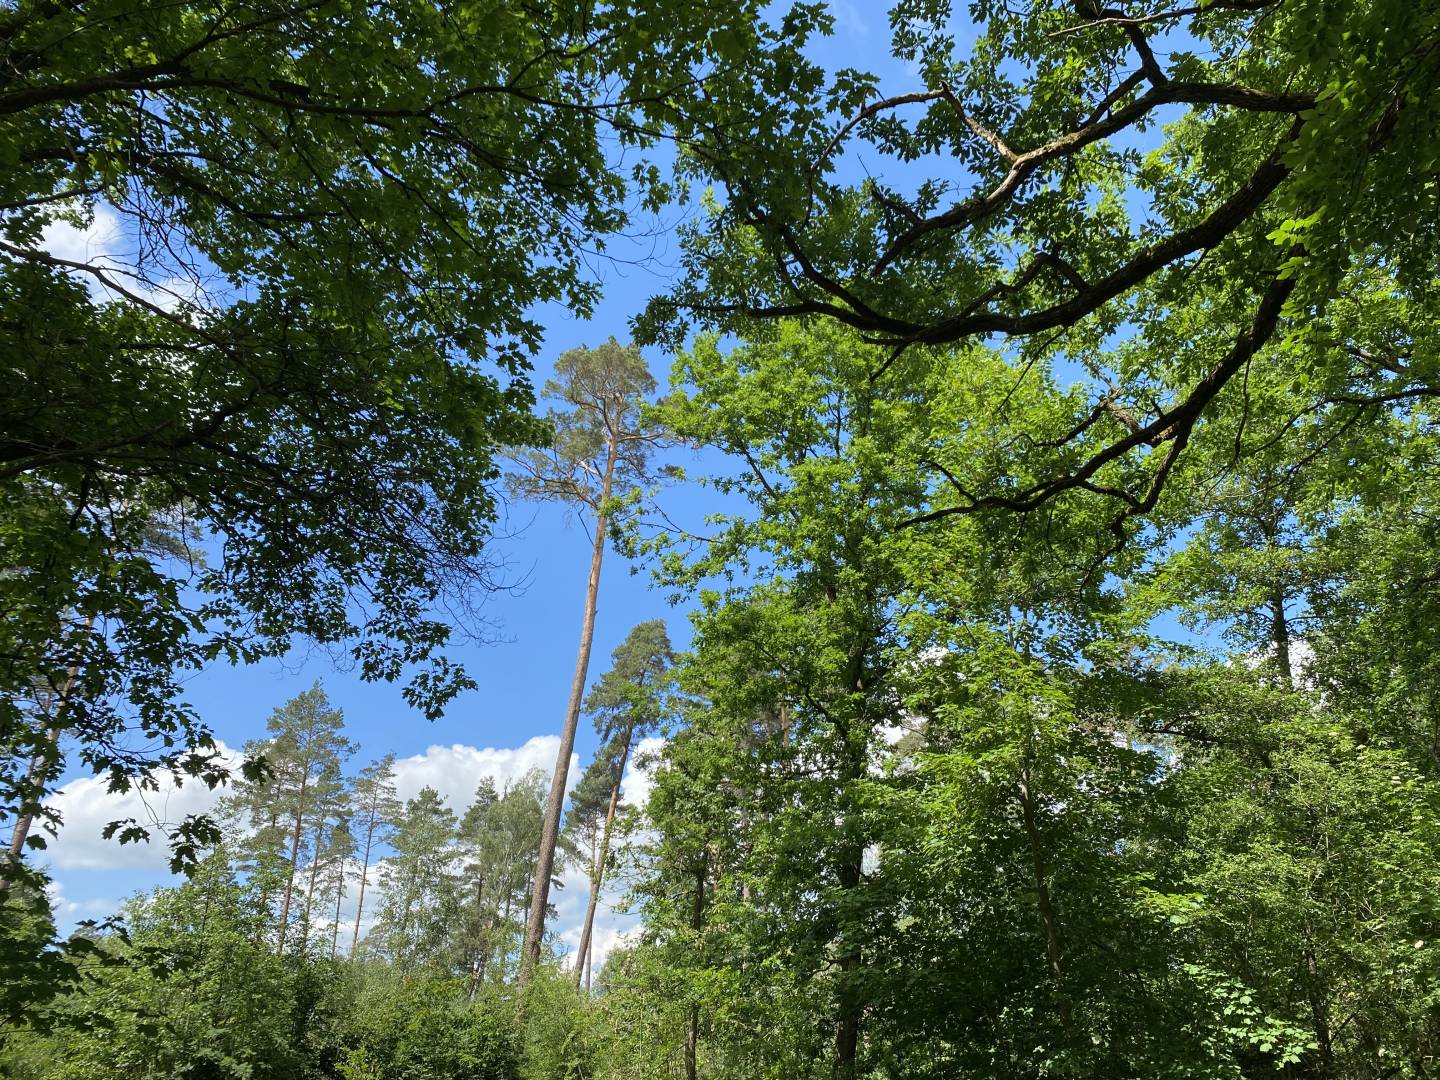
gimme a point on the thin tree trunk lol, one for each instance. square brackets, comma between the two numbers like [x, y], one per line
[847, 1026]
[555, 804]
[697, 923]
[364, 872]
[599, 875]
[1280, 634]
[850, 873]
[505, 941]
[592, 876]
[1319, 1013]
[294, 860]
[314, 875]
[25, 820]
[692, 1042]
[335, 926]
[1048, 920]
[475, 964]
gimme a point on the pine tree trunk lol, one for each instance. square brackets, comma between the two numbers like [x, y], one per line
[335, 926]
[505, 941]
[550, 833]
[476, 966]
[364, 873]
[294, 860]
[599, 876]
[592, 876]
[314, 876]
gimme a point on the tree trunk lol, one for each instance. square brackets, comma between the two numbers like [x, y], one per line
[550, 833]
[1048, 920]
[1319, 1012]
[697, 923]
[25, 820]
[294, 859]
[314, 875]
[505, 940]
[335, 926]
[594, 876]
[597, 880]
[1280, 634]
[847, 1024]
[476, 965]
[364, 873]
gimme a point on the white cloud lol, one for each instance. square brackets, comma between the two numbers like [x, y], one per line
[100, 240]
[608, 937]
[67, 912]
[86, 806]
[640, 774]
[455, 771]
[100, 244]
[848, 18]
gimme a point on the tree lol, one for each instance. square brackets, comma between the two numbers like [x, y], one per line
[793, 669]
[598, 444]
[1167, 260]
[628, 703]
[1028, 770]
[416, 1028]
[420, 886]
[830, 717]
[501, 837]
[328, 795]
[587, 827]
[374, 807]
[335, 859]
[308, 749]
[187, 989]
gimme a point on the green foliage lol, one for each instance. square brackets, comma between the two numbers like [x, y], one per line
[423, 1030]
[500, 836]
[595, 441]
[192, 991]
[557, 1030]
[421, 889]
